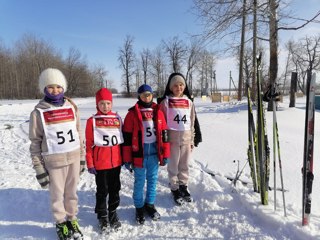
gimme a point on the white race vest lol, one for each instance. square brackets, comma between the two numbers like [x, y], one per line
[107, 130]
[148, 125]
[179, 113]
[60, 128]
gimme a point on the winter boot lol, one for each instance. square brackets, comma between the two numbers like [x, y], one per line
[74, 229]
[63, 231]
[152, 211]
[114, 220]
[103, 223]
[184, 193]
[140, 215]
[177, 197]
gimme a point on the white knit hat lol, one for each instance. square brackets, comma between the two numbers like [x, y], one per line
[51, 76]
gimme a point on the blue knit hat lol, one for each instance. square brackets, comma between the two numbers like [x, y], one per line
[144, 88]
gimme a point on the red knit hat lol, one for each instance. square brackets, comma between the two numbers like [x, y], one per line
[103, 94]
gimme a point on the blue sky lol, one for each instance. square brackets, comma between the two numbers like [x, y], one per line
[98, 27]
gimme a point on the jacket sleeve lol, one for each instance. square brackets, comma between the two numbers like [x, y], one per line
[165, 136]
[193, 114]
[36, 135]
[127, 130]
[197, 132]
[89, 143]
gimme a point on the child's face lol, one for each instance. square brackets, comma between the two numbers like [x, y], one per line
[54, 89]
[177, 89]
[146, 97]
[105, 106]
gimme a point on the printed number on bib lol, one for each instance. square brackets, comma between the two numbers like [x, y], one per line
[61, 137]
[107, 140]
[150, 131]
[178, 119]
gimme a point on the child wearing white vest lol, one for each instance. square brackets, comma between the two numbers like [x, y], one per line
[179, 111]
[56, 150]
[103, 155]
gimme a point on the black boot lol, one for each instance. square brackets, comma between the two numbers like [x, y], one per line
[114, 220]
[184, 193]
[63, 231]
[177, 197]
[74, 229]
[140, 215]
[103, 223]
[152, 211]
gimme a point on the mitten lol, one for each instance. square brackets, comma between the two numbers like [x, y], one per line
[82, 166]
[42, 176]
[128, 166]
[92, 170]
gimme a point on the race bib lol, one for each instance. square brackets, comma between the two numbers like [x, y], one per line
[60, 128]
[148, 125]
[107, 130]
[179, 114]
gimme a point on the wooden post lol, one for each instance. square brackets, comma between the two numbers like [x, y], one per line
[293, 89]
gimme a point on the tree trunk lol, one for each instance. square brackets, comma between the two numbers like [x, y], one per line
[243, 31]
[273, 66]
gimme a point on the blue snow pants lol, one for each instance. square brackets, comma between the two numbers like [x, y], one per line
[149, 172]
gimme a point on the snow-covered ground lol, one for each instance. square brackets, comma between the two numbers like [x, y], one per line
[219, 211]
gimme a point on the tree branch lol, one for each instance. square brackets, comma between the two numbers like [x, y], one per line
[307, 22]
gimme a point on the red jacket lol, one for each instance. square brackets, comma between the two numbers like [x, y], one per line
[101, 157]
[133, 132]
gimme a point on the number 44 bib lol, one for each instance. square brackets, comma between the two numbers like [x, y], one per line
[178, 114]
[60, 128]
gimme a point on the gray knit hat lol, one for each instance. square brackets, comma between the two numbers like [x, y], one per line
[176, 79]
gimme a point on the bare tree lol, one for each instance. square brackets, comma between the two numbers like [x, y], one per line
[145, 60]
[127, 61]
[193, 56]
[306, 55]
[73, 70]
[158, 68]
[176, 50]
[32, 56]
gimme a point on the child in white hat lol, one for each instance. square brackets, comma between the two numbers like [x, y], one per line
[56, 150]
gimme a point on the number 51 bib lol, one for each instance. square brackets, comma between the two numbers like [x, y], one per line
[60, 128]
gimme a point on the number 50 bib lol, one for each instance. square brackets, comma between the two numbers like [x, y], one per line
[59, 125]
[178, 114]
[107, 130]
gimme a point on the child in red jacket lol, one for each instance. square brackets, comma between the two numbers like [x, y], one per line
[145, 146]
[103, 155]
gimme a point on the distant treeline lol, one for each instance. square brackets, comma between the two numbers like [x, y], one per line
[21, 66]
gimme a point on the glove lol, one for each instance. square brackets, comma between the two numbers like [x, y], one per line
[82, 166]
[165, 161]
[92, 170]
[42, 176]
[128, 166]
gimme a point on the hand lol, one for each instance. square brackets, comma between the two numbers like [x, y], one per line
[92, 170]
[42, 176]
[128, 166]
[82, 166]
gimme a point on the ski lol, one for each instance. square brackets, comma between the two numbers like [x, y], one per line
[273, 95]
[307, 170]
[263, 152]
[205, 170]
[251, 150]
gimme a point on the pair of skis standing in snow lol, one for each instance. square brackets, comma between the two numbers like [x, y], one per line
[259, 153]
